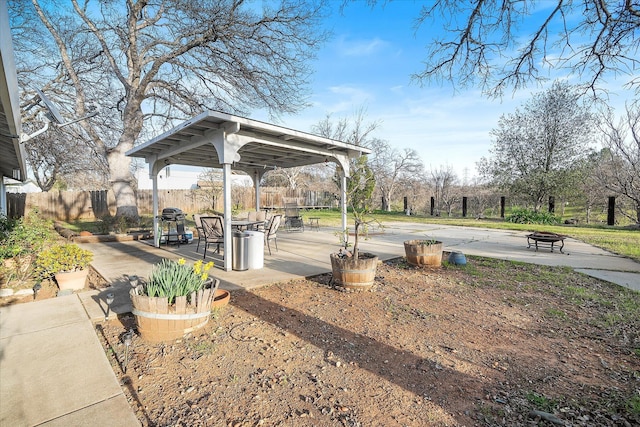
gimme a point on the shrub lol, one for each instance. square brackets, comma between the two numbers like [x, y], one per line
[109, 223]
[24, 236]
[20, 241]
[528, 216]
[62, 258]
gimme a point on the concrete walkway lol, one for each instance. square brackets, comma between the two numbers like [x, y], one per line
[53, 370]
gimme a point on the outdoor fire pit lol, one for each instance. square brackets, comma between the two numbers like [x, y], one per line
[545, 238]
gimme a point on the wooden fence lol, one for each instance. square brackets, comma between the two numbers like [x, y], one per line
[72, 205]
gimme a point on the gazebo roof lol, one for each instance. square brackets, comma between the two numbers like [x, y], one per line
[218, 140]
[263, 146]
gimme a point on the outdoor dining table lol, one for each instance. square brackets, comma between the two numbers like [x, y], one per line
[244, 224]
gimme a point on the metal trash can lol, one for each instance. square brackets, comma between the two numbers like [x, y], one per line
[255, 249]
[240, 255]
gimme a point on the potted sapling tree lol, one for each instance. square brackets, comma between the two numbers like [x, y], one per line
[352, 268]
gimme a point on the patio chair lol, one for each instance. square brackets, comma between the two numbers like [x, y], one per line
[213, 231]
[196, 219]
[261, 216]
[292, 218]
[272, 232]
[252, 215]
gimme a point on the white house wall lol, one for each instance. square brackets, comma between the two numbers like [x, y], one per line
[182, 179]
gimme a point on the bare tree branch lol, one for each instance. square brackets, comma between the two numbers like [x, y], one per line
[147, 63]
[602, 44]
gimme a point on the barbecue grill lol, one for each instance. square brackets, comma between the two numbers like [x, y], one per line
[173, 220]
[172, 214]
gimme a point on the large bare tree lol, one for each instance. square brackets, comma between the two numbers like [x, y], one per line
[443, 181]
[390, 165]
[146, 63]
[508, 43]
[356, 130]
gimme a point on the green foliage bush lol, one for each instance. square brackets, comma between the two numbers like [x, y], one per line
[61, 258]
[24, 236]
[20, 242]
[528, 216]
[117, 224]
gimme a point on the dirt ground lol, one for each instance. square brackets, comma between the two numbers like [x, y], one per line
[49, 289]
[489, 344]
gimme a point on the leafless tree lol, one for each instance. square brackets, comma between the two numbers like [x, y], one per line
[484, 42]
[354, 130]
[147, 63]
[443, 181]
[536, 149]
[620, 170]
[54, 157]
[482, 198]
[589, 190]
[292, 178]
[312, 177]
[209, 187]
[390, 165]
[417, 190]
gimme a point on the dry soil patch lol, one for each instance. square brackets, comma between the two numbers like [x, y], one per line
[482, 345]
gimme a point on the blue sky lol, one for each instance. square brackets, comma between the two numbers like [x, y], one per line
[368, 63]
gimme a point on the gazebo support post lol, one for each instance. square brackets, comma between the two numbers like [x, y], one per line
[343, 207]
[257, 177]
[154, 170]
[226, 193]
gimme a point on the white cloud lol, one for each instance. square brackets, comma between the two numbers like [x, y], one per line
[364, 47]
[340, 99]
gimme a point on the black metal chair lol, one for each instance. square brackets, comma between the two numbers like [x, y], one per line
[196, 219]
[292, 218]
[213, 231]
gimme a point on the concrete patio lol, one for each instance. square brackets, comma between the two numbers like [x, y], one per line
[305, 254]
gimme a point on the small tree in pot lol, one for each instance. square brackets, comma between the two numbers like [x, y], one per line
[355, 269]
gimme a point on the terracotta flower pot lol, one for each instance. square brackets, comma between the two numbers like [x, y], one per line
[73, 280]
[220, 298]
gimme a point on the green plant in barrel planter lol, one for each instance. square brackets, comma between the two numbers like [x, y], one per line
[176, 300]
[354, 269]
[67, 263]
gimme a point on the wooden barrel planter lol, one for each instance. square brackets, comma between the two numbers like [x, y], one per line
[158, 321]
[423, 253]
[353, 273]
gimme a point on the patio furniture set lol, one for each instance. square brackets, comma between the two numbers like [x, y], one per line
[211, 229]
